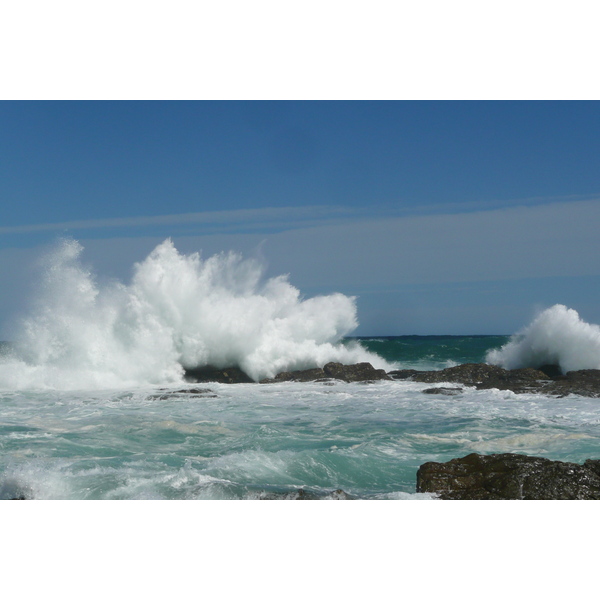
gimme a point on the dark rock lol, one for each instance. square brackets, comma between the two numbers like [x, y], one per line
[593, 465]
[195, 391]
[358, 372]
[446, 391]
[208, 373]
[483, 376]
[583, 383]
[510, 477]
[403, 374]
[517, 380]
[326, 381]
[198, 392]
[306, 375]
[468, 374]
[551, 371]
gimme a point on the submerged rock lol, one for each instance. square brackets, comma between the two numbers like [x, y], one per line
[445, 391]
[213, 374]
[302, 494]
[196, 392]
[305, 375]
[403, 374]
[510, 477]
[479, 374]
[358, 372]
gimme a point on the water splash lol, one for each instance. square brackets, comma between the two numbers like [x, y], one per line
[557, 336]
[178, 311]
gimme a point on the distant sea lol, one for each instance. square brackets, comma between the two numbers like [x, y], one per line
[433, 352]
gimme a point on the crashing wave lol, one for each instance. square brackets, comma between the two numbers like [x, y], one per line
[179, 311]
[557, 336]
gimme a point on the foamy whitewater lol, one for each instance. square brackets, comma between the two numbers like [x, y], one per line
[557, 336]
[93, 404]
[178, 311]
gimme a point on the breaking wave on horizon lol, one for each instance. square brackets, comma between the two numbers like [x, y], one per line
[179, 311]
[557, 336]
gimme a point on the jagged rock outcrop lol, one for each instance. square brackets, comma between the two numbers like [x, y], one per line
[546, 380]
[358, 372]
[213, 374]
[305, 375]
[584, 383]
[510, 477]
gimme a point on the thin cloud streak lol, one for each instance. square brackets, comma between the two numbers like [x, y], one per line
[292, 217]
[276, 216]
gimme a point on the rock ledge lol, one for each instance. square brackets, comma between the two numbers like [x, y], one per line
[510, 477]
[547, 379]
[358, 372]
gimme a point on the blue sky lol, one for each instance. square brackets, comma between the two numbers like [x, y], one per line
[442, 216]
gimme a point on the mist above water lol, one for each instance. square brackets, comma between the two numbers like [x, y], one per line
[178, 311]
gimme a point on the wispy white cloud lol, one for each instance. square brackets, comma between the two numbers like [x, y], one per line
[559, 239]
[246, 218]
[289, 217]
[376, 253]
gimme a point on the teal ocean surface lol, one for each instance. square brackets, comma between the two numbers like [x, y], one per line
[256, 441]
[433, 352]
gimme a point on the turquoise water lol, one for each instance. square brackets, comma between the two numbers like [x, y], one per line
[252, 441]
[432, 352]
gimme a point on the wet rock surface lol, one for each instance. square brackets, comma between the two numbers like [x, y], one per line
[546, 380]
[444, 391]
[213, 374]
[584, 383]
[510, 477]
[358, 372]
[196, 392]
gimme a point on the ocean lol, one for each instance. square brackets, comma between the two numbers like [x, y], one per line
[93, 404]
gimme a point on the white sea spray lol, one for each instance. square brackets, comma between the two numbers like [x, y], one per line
[557, 336]
[178, 311]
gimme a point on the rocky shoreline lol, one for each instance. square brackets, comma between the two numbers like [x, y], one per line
[475, 476]
[493, 477]
[547, 380]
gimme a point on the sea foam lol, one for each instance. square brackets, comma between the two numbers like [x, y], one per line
[557, 336]
[179, 311]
